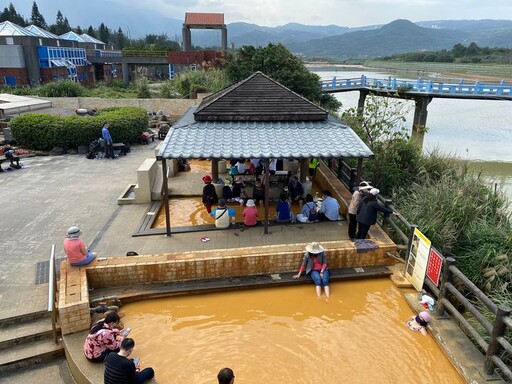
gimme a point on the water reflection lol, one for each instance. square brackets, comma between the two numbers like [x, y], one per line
[287, 335]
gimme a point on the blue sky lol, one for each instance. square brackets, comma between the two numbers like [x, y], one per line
[349, 13]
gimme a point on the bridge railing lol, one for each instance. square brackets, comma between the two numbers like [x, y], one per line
[420, 85]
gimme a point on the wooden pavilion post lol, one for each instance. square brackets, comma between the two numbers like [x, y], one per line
[166, 198]
[303, 169]
[215, 170]
[267, 192]
[359, 172]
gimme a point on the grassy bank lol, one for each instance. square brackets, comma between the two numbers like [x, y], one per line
[490, 72]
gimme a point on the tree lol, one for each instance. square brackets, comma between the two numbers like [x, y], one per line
[79, 30]
[36, 18]
[104, 33]
[61, 25]
[91, 32]
[10, 14]
[276, 61]
[120, 39]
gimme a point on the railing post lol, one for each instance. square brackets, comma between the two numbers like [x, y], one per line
[447, 277]
[333, 85]
[384, 226]
[498, 330]
[340, 168]
[363, 80]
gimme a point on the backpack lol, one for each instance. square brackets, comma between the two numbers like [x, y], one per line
[312, 213]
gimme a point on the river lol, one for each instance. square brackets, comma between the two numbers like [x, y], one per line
[476, 130]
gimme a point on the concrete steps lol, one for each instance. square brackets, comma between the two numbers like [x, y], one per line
[27, 340]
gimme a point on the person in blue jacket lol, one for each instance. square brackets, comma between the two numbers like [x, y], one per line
[105, 133]
[367, 215]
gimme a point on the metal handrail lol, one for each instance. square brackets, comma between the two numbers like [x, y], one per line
[52, 293]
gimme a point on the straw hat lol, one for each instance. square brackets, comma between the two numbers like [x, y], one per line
[74, 232]
[314, 247]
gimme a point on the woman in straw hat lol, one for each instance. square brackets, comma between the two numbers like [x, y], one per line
[353, 208]
[75, 249]
[314, 263]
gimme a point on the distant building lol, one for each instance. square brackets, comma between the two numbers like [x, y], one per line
[32, 56]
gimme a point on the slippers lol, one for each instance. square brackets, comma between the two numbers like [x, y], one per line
[204, 239]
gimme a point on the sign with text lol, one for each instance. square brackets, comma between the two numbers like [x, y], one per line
[418, 258]
[435, 264]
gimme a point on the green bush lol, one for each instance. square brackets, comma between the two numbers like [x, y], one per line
[44, 131]
[65, 88]
[143, 89]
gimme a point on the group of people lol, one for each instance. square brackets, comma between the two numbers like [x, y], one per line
[363, 209]
[108, 344]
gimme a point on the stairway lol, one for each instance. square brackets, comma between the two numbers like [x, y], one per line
[27, 340]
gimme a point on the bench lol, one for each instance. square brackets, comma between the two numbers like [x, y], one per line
[12, 160]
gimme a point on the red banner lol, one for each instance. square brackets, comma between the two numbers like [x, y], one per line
[435, 264]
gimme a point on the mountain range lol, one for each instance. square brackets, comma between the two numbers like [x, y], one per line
[338, 42]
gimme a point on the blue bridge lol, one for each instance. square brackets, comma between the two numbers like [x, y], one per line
[420, 87]
[421, 91]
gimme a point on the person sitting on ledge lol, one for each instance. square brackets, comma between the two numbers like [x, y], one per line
[75, 249]
[103, 338]
[120, 369]
[329, 210]
[284, 212]
[250, 214]
[222, 215]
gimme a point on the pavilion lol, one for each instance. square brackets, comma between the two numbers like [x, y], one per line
[258, 118]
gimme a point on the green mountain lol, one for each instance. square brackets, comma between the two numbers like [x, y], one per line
[398, 36]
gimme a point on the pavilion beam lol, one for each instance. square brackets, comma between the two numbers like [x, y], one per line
[267, 191]
[166, 198]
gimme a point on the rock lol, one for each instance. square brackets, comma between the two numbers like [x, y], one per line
[57, 151]
[83, 149]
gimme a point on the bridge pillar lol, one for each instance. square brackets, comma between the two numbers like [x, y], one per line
[420, 120]
[360, 103]
[126, 72]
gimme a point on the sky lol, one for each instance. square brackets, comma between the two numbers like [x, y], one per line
[347, 13]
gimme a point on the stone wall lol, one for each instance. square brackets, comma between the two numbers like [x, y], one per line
[161, 268]
[168, 106]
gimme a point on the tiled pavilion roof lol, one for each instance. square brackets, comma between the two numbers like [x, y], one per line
[260, 118]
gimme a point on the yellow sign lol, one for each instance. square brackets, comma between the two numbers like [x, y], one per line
[417, 260]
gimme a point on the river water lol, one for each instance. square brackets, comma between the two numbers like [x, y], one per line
[476, 130]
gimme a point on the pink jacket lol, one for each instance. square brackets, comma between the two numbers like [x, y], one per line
[100, 341]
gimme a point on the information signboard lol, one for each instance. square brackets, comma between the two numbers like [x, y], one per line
[418, 258]
[435, 264]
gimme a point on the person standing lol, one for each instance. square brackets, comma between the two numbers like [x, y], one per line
[367, 215]
[105, 133]
[222, 215]
[314, 162]
[75, 249]
[314, 263]
[353, 208]
[209, 194]
[329, 209]
[226, 376]
[119, 369]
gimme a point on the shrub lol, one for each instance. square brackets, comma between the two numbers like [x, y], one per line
[65, 88]
[44, 131]
[143, 89]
